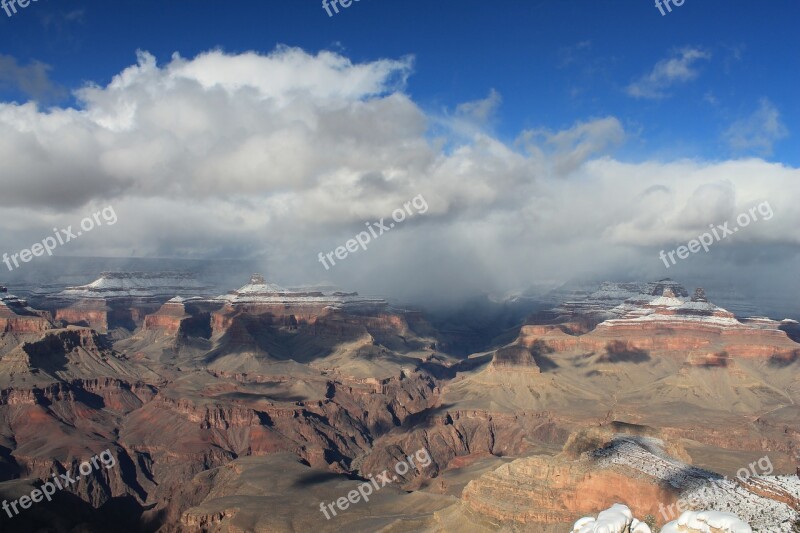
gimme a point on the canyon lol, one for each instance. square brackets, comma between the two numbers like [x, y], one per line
[244, 411]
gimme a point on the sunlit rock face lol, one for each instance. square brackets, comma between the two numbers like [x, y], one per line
[633, 321]
[121, 299]
[315, 382]
[289, 307]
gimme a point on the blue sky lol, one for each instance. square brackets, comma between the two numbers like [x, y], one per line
[551, 140]
[551, 62]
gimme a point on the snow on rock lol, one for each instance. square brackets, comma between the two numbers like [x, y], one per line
[667, 305]
[661, 301]
[617, 519]
[115, 285]
[259, 291]
[707, 522]
[759, 500]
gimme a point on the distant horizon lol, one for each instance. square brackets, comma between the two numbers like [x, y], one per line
[771, 305]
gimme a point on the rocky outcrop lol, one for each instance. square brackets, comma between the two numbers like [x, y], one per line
[540, 492]
[660, 318]
[766, 507]
[288, 307]
[137, 285]
[17, 317]
[454, 438]
[182, 317]
[121, 299]
[765, 488]
[168, 318]
[116, 395]
[89, 313]
[547, 490]
[671, 326]
[514, 358]
[194, 522]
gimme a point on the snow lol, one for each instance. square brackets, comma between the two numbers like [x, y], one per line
[9, 298]
[617, 291]
[261, 288]
[662, 301]
[666, 301]
[700, 306]
[703, 489]
[673, 310]
[704, 521]
[180, 300]
[136, 284]
[617, 519]
[585, 521]
[13, 303]
[262, 292]
[686, 319]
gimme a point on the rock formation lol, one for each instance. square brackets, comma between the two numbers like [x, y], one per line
[514, 358]
[121, 299]
[289, 307]
[244, 411]
[17, 317]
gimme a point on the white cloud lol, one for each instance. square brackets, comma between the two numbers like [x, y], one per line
[284, 155]
[759, 131]
[680, 68]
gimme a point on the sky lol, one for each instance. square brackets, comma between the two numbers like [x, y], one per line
[548, 139]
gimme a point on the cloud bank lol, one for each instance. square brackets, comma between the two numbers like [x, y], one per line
[279, 156]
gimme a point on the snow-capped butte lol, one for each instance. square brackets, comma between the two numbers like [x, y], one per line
[137, 285]
[259, 291]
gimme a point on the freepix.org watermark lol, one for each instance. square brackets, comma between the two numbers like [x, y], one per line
[661, 6]
[423, 458]
[9, 7]
[62, 236]
[693, 502]
[718, 233]
[60, 482]
[363, 238]
[328, 4]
